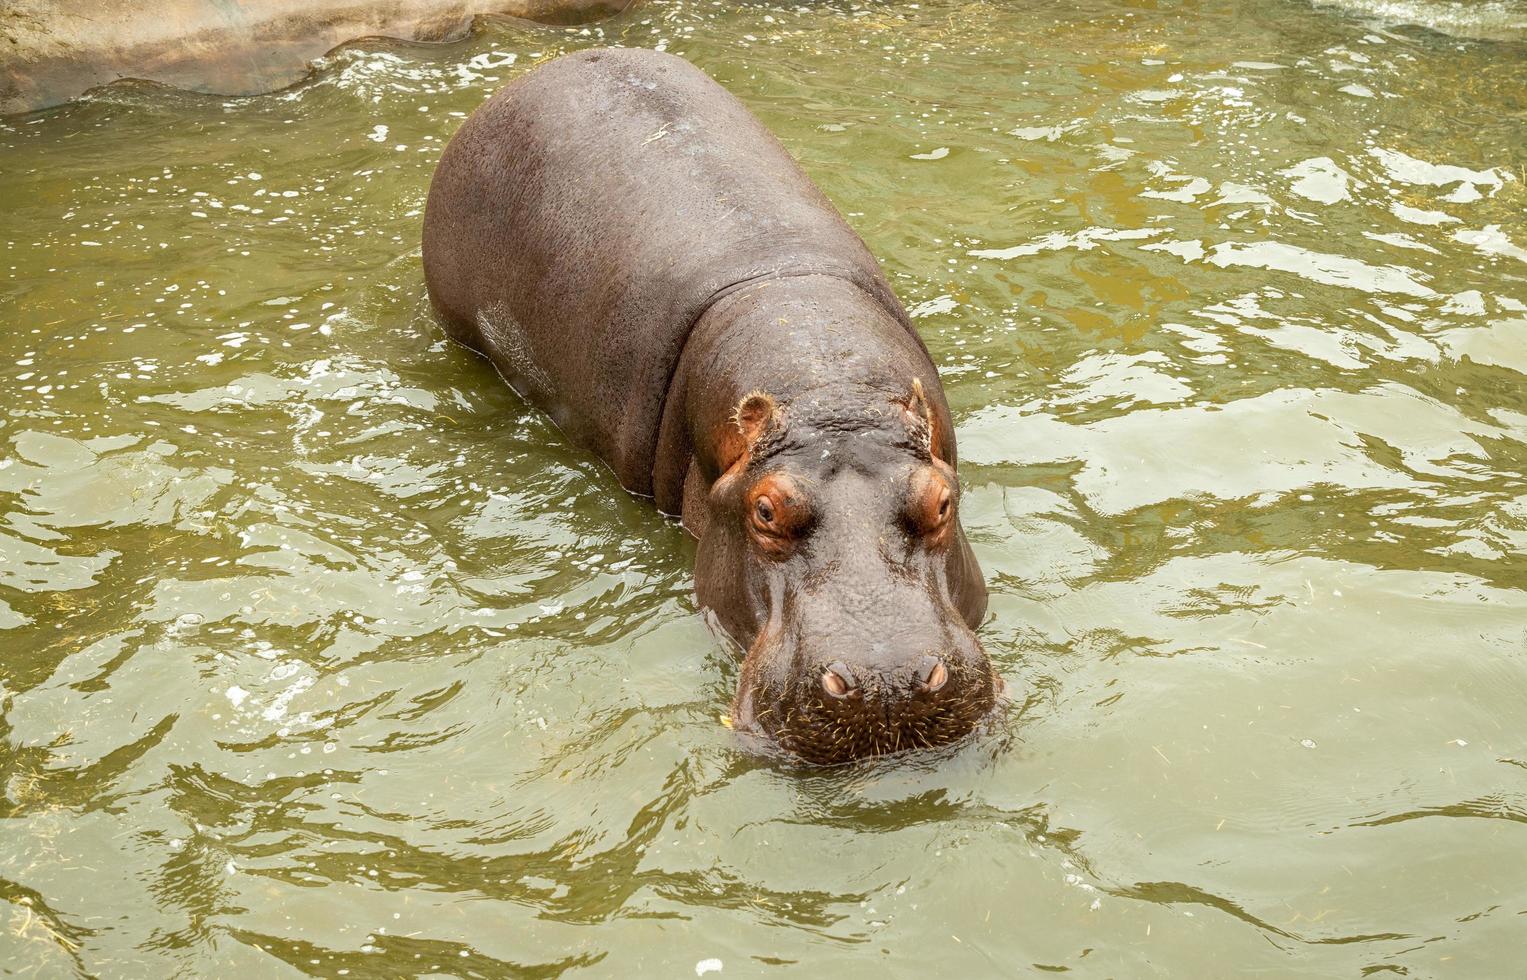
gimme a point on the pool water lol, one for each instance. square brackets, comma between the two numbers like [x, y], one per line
[324, 655]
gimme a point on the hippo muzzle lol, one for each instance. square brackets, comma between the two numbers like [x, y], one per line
[828, 697]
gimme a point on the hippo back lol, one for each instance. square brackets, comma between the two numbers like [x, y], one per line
[583, 218]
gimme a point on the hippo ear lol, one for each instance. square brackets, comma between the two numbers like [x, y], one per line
[917, 411]
[754, 417]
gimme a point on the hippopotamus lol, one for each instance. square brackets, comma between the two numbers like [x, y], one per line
[641, 259]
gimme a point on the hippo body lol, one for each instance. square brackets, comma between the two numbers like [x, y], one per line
[641, 258]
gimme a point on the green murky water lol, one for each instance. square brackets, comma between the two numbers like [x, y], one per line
[323, 655]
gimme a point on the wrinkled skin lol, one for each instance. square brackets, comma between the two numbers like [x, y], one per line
[640, 258]
[827, 511]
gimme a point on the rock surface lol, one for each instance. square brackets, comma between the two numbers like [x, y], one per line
[54, 50]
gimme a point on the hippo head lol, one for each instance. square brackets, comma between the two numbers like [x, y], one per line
[833, 551]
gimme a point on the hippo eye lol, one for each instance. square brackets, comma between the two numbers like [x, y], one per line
[930, 503]
[777, 514]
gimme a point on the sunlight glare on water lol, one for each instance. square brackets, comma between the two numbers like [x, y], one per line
[324, 655]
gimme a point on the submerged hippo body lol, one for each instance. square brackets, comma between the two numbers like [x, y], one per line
[640, 258]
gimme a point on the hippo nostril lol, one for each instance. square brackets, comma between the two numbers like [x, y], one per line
[838, 681]
[932, 674]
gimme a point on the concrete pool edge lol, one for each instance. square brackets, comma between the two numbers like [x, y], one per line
[52, 52]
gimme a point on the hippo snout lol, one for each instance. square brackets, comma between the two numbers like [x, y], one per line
[928, 675]
[848, 708]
